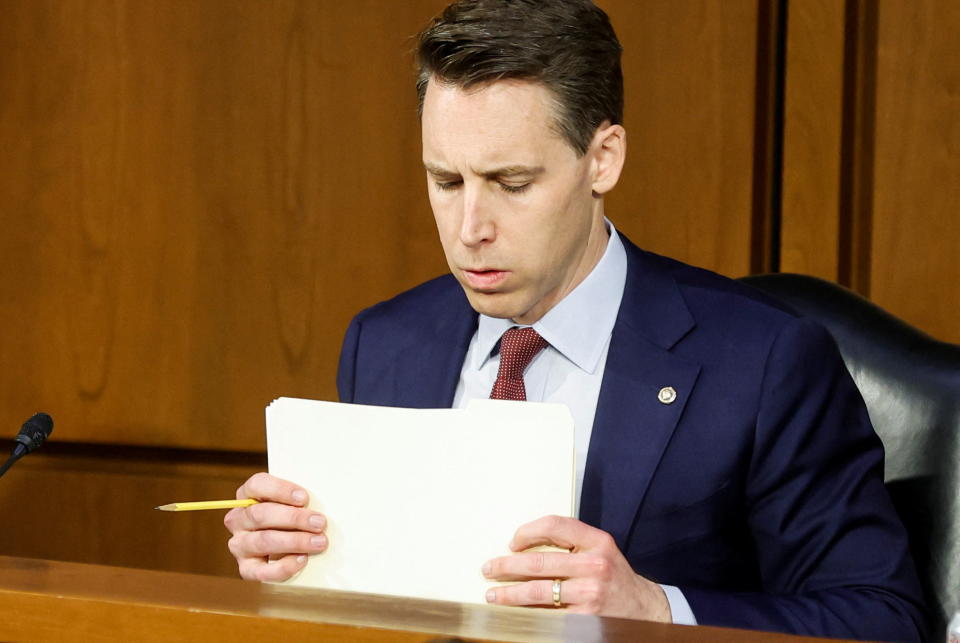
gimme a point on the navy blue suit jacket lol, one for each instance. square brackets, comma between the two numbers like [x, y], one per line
[758, 491]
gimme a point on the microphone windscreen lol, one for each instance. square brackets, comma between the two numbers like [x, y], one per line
[34, 431]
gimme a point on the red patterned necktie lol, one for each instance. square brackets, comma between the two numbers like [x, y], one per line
[517, 347]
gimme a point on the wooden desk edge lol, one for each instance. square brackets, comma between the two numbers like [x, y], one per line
[109, 603]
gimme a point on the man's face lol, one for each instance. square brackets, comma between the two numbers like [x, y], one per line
[514, 206]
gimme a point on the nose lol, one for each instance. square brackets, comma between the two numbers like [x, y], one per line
[476, 226]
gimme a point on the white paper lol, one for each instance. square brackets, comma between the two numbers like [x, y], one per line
[417, 500]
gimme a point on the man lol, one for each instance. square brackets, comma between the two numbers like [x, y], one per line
[731, 475]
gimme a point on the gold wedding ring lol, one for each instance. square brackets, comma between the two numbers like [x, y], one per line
[556, 593]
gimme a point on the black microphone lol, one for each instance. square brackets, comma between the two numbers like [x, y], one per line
[32, 434]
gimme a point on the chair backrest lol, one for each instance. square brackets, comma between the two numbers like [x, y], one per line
[911, 385]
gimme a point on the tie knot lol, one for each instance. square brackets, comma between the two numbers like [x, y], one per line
[518, 347]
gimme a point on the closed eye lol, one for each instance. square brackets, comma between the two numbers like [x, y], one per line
[447, 185]
[513, 189]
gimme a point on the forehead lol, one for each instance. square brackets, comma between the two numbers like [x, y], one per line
[508, 120]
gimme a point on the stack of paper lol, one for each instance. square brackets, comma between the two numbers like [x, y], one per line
[417, 500]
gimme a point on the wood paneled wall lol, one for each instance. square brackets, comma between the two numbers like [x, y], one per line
[813, 115]
[871, 177]
[915, 240]
[96, 504]
[197, 196]
[689, 75]
[202, 194]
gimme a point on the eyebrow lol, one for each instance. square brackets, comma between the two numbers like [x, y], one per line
[438, 171]
[506, 171]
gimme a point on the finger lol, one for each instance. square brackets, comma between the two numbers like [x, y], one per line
[277, 570]
[573, 593]
[531, 565]
[568, 533]
[265, 487]
[270, 515]
[259, 544]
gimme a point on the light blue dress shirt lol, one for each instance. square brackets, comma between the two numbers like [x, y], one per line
[570, 369]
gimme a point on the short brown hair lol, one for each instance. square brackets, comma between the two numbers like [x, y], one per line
[568, 46]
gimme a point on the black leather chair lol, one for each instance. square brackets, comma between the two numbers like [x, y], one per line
[911, 385]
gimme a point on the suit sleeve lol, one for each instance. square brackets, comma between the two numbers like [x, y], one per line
[346, 371]
[832, 553]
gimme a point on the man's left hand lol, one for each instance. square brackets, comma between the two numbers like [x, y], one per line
[595, 577]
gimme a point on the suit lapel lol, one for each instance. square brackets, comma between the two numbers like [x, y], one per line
[632, 426]
[430, 366]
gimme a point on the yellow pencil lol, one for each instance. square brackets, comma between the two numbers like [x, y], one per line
[207, 504]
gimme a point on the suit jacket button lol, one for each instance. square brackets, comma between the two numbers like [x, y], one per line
[667, 395]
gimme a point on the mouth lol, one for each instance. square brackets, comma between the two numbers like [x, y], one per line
[484, 279]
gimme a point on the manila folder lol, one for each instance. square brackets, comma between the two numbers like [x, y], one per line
[417, 500]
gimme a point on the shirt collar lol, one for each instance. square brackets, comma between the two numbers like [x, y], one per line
[580, 324]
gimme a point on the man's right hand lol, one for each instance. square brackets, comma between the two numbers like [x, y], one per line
[271, 539]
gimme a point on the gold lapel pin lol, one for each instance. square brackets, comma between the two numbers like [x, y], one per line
[667, 395]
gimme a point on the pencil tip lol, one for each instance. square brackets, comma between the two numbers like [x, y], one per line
[165, 507]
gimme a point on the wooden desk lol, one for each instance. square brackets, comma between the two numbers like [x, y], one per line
[45, 600]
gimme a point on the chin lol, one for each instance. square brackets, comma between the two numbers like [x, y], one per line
[497, 305]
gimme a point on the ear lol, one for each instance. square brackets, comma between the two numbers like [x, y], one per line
[608, 151]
